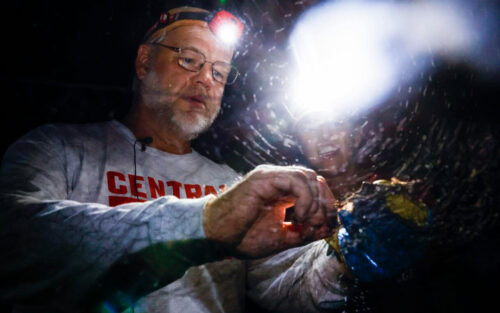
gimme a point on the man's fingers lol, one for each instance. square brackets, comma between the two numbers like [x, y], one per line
[294, 236]
[261, 200]
[312, 183]
[313, 198]
[291, 238]
[327, 202]
[325, 205]
[298, 185]
[305, 207]
[322, 232]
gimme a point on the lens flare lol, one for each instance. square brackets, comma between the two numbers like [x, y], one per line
[227, 27]
[348, 56]
[228, 33]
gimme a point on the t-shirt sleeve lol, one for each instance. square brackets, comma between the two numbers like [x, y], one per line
[303, 279]
[49, 242]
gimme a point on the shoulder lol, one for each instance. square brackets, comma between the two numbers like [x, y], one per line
[75, 129]
[60, 132]
[51, 139]
[63, 129]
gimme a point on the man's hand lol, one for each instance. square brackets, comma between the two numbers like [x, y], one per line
[250, 215]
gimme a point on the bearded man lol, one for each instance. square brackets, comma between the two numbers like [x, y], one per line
[79, 199]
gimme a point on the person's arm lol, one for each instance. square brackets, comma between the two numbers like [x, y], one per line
[303, 279]
[51, 243]
[64, 246]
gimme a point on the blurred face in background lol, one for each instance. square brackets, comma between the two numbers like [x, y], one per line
[327, 146]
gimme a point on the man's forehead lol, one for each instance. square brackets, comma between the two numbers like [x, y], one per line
[200, 38]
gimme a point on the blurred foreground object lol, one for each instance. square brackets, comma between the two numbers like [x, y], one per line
[383, 230]
[350, 56]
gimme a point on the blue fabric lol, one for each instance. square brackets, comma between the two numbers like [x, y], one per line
[377, 243]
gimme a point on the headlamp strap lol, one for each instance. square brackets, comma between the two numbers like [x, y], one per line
[214, 19]
[167, 18]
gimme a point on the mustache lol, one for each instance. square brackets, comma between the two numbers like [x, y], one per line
[199, 93]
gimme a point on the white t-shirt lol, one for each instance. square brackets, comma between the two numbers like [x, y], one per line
[69, 210]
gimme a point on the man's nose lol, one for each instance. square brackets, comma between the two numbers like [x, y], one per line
[204, 76]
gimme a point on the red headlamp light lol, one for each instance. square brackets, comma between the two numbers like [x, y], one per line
[222, 23]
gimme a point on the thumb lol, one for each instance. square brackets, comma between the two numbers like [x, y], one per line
[292, 238]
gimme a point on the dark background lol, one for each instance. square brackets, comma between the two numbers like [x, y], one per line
[73, 62]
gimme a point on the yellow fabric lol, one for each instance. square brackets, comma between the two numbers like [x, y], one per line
[403, 206]
[334, 242]
[393, 182]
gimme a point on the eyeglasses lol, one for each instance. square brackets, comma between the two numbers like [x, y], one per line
[193, 61]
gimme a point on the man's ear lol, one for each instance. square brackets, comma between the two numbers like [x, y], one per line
[142, 60]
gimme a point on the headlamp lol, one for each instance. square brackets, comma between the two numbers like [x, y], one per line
[227, 27]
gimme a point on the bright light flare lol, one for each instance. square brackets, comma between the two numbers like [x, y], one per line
[348, 56]
[228, 33]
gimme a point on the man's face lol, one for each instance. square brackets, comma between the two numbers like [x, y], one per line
[327, 147]
[187, 101]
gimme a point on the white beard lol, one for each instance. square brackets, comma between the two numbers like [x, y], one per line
[188, 125]
[191, 126]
